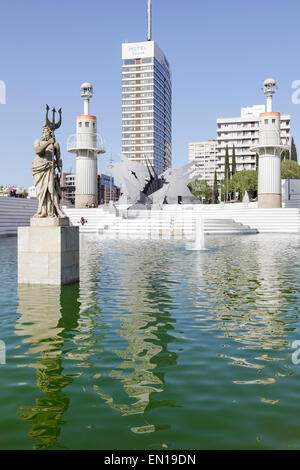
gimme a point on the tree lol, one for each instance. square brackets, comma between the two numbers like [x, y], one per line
[245, 180]
[215, 193]
[233, 165]
[294, 156]
[200, 189]
[226, 173]
[227, 168]
[224, 187]
[233, 169]
[285, 155]
[290, 169]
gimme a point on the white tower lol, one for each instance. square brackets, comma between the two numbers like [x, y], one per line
[86, 144]
[269, 150]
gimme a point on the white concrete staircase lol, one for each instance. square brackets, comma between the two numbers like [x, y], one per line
[172, 228]
[14, 213]
[97, 219]
[179, 220]
[286, 220]
[172, 221]
[152, 224]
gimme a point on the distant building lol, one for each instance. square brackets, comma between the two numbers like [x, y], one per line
[31, 192]
[12, 190]
[243, 133]
[68, 187]
[106, 188]
[146, 103]
[204, 157]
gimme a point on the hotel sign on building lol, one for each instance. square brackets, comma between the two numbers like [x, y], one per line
[137, 50]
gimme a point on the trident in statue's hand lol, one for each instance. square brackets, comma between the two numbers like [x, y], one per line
[53, 126]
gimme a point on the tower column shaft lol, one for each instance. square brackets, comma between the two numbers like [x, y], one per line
[269, 168]
[269, 104]
[86, 107]
[86, 181]
[269, 177]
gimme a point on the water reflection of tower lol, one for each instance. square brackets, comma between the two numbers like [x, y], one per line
[47, 317]
[146, 328]
[264, 328]
[243, 299]
[90, 272]
[246, 297]
[90, 312]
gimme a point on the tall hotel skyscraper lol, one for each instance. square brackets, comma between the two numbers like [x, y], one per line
[146, 103]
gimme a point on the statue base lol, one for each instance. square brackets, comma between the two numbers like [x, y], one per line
[269, 201]
[48, 252]
[85, 201]
[50, 222]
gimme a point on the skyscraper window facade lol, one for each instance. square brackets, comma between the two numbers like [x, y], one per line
[146, 105]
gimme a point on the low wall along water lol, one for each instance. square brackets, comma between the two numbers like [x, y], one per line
[14, 213]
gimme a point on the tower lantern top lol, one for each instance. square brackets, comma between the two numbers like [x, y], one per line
[269, 86]
[86, 90]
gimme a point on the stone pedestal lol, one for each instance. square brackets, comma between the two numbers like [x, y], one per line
[82, 201]
[48, 252]
[269, 201]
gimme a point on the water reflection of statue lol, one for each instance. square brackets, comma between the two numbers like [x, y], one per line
[46, 170]
[47, 316]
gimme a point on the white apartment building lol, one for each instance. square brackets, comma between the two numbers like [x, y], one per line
[204, 156]
[243, 133]
[146, 105]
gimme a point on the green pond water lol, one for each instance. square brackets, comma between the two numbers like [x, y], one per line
[156, 348]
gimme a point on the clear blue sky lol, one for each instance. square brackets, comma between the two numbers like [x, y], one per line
[220, 53]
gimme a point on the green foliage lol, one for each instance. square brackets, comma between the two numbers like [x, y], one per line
[200, 189]
[290, 169]
[294, 156]
[226, 174]
[245, 180]
[224, 186]
[233, 166]
[227, 168]
[215, 193]
[285, 155]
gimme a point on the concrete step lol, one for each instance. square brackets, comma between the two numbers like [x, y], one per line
[215, 219]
